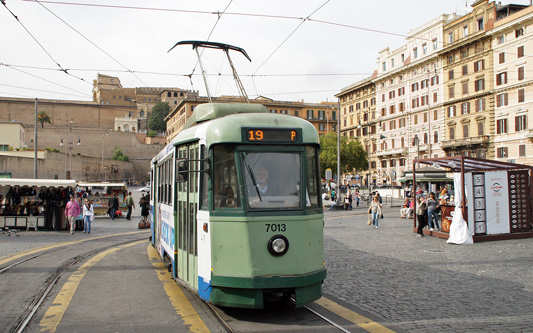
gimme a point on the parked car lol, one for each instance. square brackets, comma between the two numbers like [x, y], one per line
[144, 189]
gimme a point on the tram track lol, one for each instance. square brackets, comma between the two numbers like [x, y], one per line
[52, 279]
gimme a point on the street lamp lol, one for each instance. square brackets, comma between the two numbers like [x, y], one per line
[104, 134]
[68, 142]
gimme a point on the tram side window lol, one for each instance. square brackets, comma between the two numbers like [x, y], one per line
[204, 193]
[225, 184]
[312, 195]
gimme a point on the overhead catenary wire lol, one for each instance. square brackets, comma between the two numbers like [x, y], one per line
[94, 44]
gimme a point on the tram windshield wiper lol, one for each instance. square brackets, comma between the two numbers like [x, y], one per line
[252, 176]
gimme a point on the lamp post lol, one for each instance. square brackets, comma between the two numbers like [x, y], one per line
[104, 134]
[68, 142]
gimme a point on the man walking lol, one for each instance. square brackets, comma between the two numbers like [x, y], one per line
[72, 211]
[129, 204]
[114, 205]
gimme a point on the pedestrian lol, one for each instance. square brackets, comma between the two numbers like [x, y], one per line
[113, 203]
[375, 210]
[72, 210]
[88, 216]
[421, 215]
[129, 204]
[380, 201]
[145, 208]
[357, 198]
[432, 212]
[404, 209]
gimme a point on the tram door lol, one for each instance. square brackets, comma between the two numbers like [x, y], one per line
[187, 205]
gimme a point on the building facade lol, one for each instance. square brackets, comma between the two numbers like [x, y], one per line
[459, 85]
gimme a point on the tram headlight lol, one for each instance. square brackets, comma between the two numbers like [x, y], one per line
[278, 245]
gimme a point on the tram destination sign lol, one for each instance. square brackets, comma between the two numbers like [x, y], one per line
[276, 135]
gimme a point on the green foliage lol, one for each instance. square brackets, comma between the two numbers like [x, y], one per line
[52, 149]
[151, 134]
[43, 117]
[157, 117]
[119, 155]
[353, 156]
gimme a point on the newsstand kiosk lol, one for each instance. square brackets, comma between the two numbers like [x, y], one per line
[498, 201]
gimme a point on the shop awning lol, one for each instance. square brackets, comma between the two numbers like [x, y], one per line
[102, 184]
[37, 182]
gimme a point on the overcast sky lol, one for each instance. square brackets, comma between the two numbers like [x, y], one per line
[292, 59]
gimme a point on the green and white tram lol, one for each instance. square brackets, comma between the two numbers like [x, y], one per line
[237, 211]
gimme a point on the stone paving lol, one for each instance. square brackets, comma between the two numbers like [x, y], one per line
[423, 284]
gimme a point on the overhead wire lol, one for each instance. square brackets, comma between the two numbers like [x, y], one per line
[90, 41]
[38, 43]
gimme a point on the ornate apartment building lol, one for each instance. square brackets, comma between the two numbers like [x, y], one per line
[445, 92]
[322, 115]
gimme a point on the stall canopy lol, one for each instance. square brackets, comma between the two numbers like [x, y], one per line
[101, 184]
[470, 164]
[428, 174]
[37, 182]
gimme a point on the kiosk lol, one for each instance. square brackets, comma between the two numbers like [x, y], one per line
[498, 201]
[39, 203]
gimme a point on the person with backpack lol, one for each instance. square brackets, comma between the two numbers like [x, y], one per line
[88, 215]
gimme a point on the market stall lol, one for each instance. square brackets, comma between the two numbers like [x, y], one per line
[498, 197]
[101, 193]
[39, 203]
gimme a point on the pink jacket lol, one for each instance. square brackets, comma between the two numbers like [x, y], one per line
[72, 208]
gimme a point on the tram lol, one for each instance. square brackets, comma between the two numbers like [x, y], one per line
[237, 213]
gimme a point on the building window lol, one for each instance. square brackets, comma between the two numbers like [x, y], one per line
[502, 152]
[451, 91]
[450, 75]
[520, 123]
[465, 108]
[392, 63]
[520, 51]
[521, 150]
[435, 137]
[521, 95]
[452, 133]
[402, 161]
[502, 100]
[479, 84]
[519, 32]
[402, 142]
[479, 65]
[520, 73]
[424, 48]
[450, 37]
[451, 111]
[480, 129]
[435, 44]
[501, 126]
[501, 39]
[465, 31]
[465, 88]
[384, 64]
[480, 25]
[435, 80]
[480, 104]
[501, 57]
[425, 138]
[415, 53]
[321, 127]
[465, 69]
[464, 53]
[465, 131]
[501, 78]
[309, 114]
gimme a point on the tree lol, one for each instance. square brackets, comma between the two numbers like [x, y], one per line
[43, 117]
[353, 156]
[157, 117]
[119, 155]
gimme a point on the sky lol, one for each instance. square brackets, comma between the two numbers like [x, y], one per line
[300, 49]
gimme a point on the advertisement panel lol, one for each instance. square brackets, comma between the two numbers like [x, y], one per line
[496, 202]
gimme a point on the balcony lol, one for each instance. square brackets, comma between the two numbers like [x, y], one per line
[391, 152]
[478, 140]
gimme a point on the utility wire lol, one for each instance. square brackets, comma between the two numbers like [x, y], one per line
[40, 45]
[87, 39]
[289, 36]
[35, 76]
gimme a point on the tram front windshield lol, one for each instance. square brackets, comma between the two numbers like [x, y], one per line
[267, 179]
[272, 179]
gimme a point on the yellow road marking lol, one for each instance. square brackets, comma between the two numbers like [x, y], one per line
[55, 313]
[18, 255]
[354, 317]
[182, 306]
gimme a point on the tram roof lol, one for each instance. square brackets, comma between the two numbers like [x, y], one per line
[223, 123]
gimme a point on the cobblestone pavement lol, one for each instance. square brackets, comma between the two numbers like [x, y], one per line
[423, 284]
